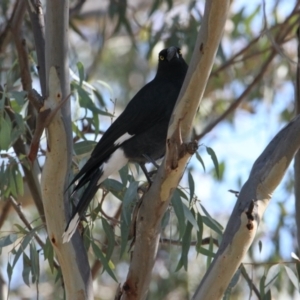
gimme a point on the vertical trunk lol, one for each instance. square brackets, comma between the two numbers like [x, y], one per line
[72, 256]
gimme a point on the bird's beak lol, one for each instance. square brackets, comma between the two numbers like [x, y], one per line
[171, 52]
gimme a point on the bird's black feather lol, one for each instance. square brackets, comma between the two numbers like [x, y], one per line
[145, 119]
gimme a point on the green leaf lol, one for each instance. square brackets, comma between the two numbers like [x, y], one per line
[260, 246]
[206, 252]
[110, 235]
[189, 215]
[262, 286]
[115, 187]
[84, 147]
[191, 185]
[124, 174]
[210, 222]
[129, 198]
[80, 69]
[49, 254]
[214, 158]
[12, 183]
[179, 212]
[182, 194]
[186, 243]
[21, 229]
[9, 270]
[19, 182]
[19, 96]
[87, 236]
[5, 131]
[199, 232]
[26, 269]
[58, 275]
[85, 101]
[8, 240]
[35, 264]
[165, 220]
[271, 276]
[200, 160]
[292, 276]
[210, 249]
[23, 245]
[105, 262]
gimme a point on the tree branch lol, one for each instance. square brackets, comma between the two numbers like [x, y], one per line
[72, 256]
[281, 36]
[18, 209]
[157, 199]
[297, 156]
[253, 199]
[36, 15]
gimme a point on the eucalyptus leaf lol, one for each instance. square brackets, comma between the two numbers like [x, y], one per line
[179, 212]
[5, 131]
[105, 262]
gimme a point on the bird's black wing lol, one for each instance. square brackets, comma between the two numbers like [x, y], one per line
[152, 103]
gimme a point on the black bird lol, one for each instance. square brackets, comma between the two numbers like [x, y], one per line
[138, 134]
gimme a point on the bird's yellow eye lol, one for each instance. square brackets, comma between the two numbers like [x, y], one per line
[179, 52]
[161, 57]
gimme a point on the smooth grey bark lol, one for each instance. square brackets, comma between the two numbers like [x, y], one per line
[72, 256]
[253, 199]
[297, 156]
[157, 199]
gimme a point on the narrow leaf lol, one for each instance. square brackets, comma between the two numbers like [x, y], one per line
[8, 240]
[110, 235]
[26, 269]
[214, 158]
[124, 174]
[105, 262]
[210, 249]
[80, 69]
[129, 198]
[191, 185]
[23, 246]
[5, 130]
[200, 160]
[179, 212]
[271, 276]
[199, 232]
[35, 263]
[49, 254]
[165, 220]
[84, 147]
[189, 215]
[186, 243]
[292, 276]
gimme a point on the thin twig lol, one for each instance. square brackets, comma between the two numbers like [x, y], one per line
[205, 241]
[18, 208]
[280, 37]
[237, 102]
[31, 174]
[249, 281]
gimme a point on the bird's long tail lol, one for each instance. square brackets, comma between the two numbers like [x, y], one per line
[82, 206]
[115, 162]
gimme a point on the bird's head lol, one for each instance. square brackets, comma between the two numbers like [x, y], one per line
[171, 63]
